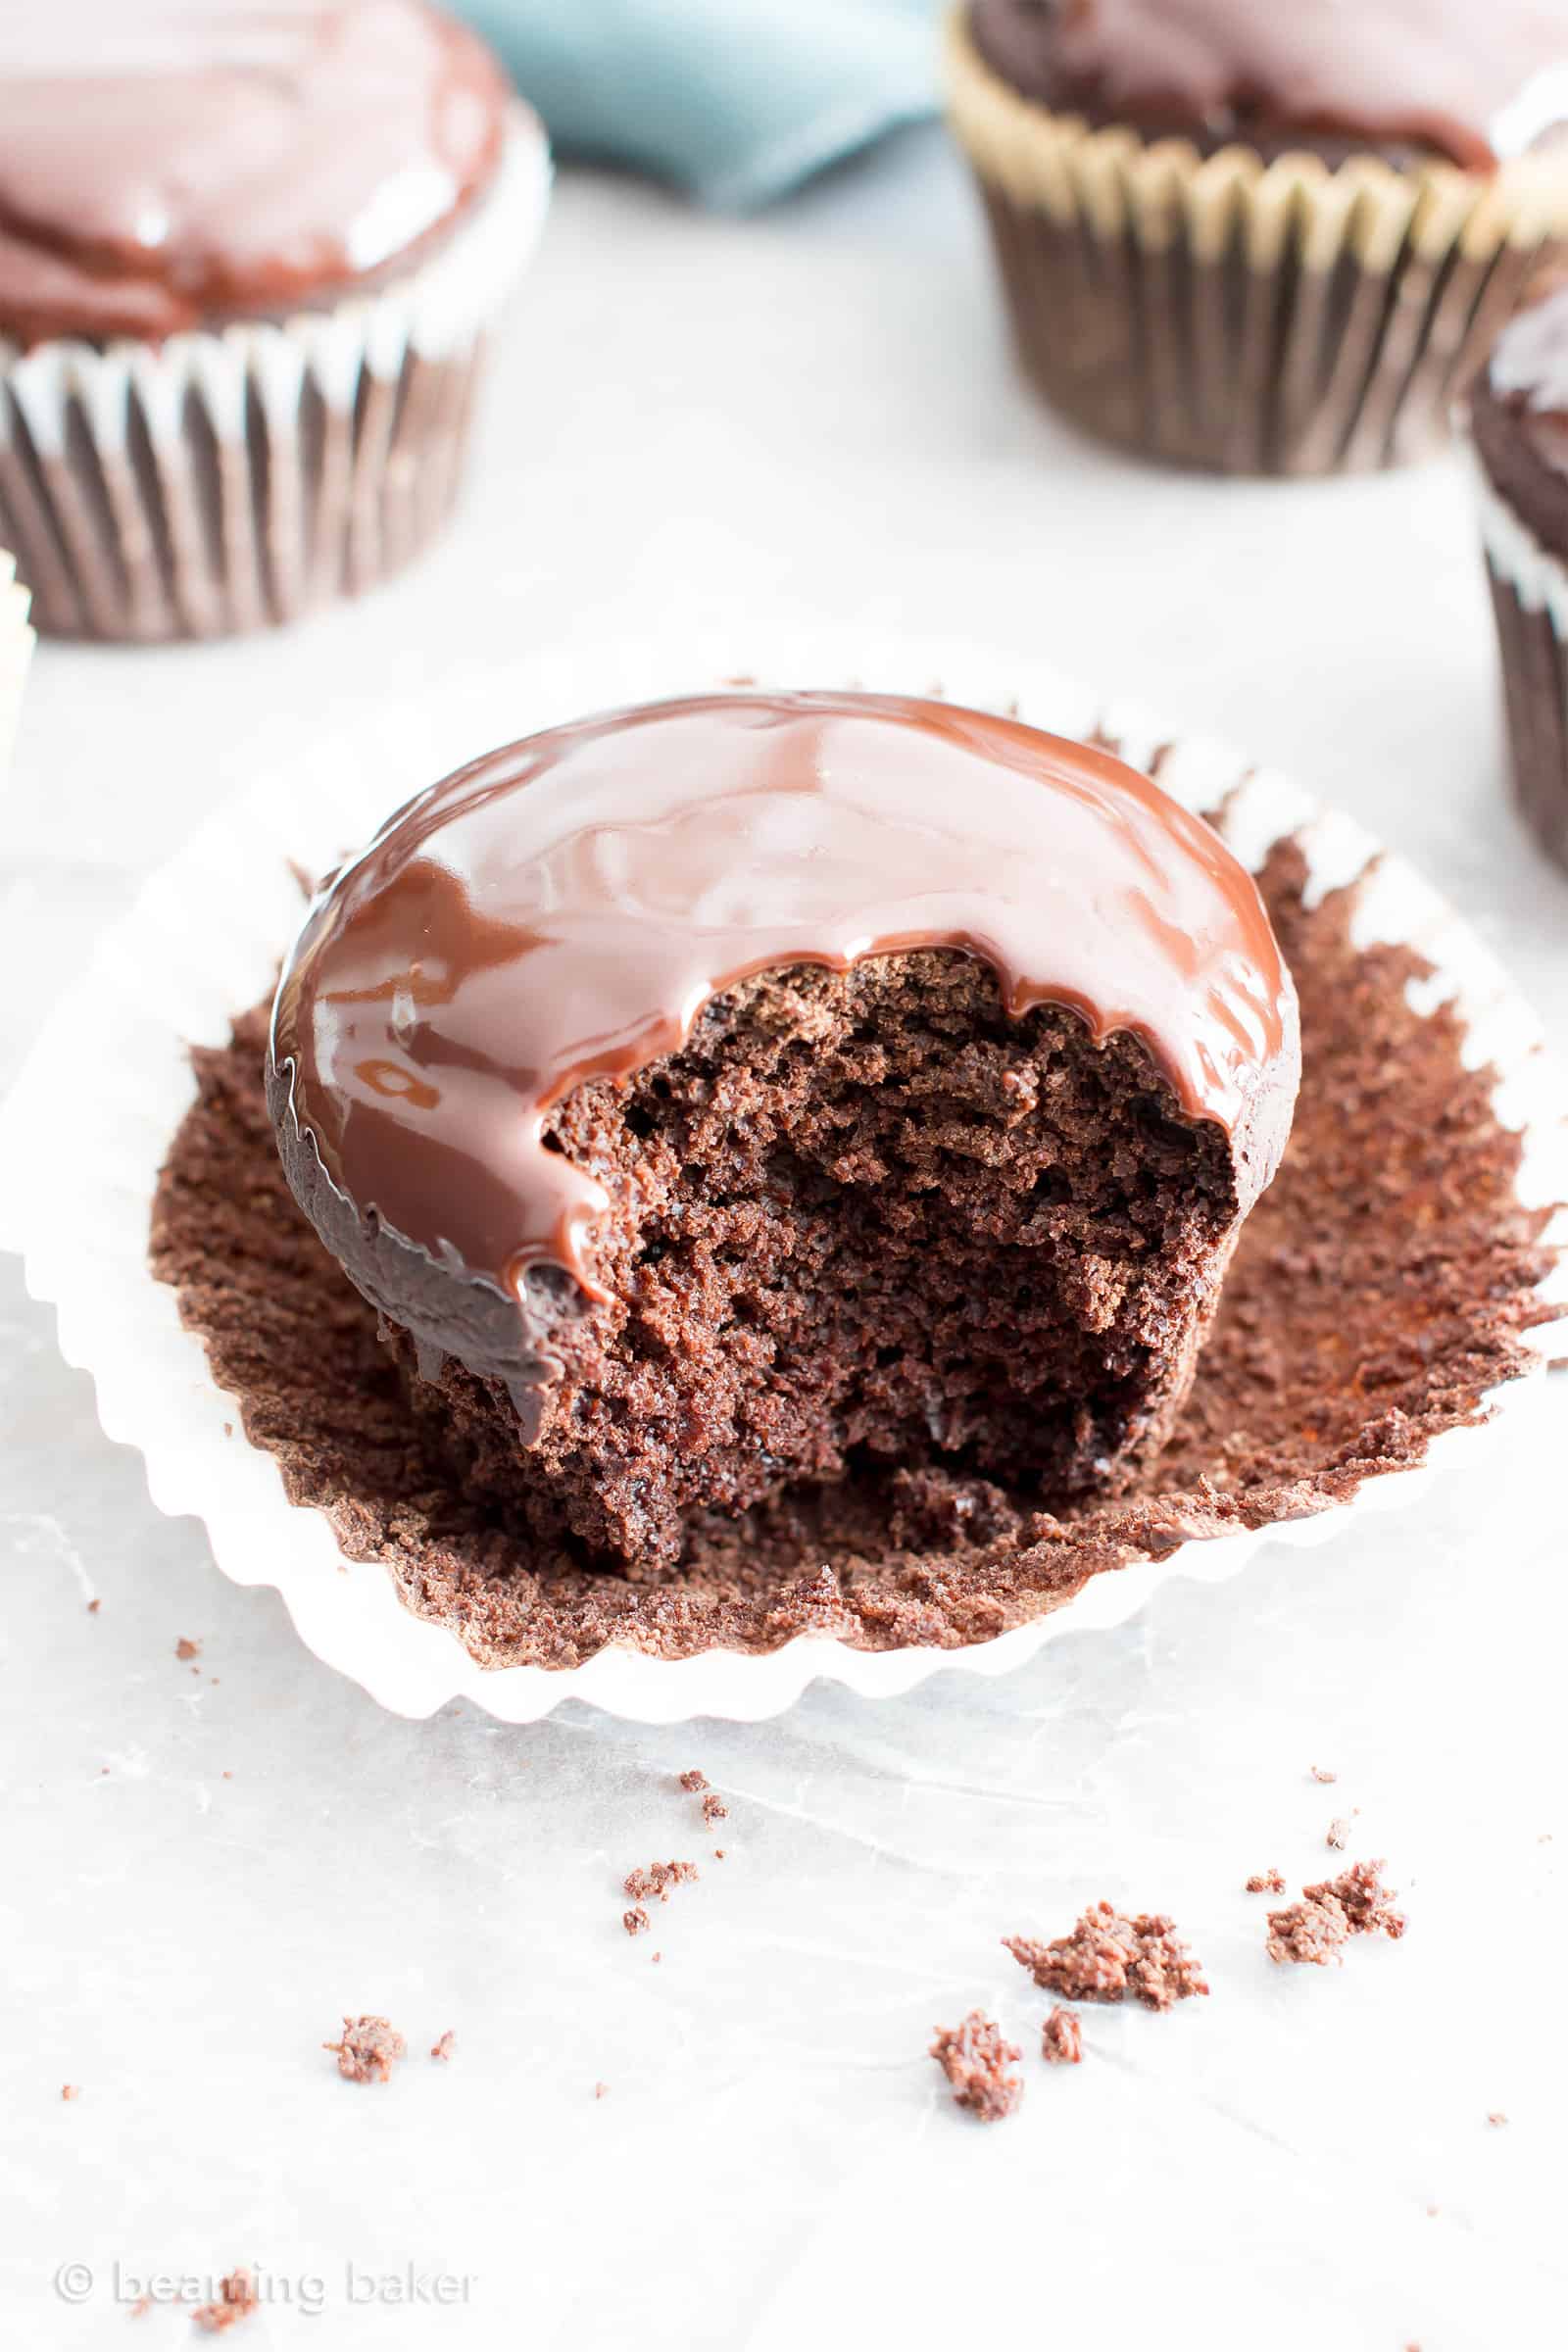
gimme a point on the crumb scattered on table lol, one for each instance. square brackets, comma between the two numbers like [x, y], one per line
[368, 2050]
[975, 2060]
[1497, 2117]
[237, 2299]
[693, 1782]
[600, 2089]
[1110, 1958]
[1266, 1881]
[714, 1807]
[1339, 1834]
[643, 1886]
[186, 1648]
[93, 1607]
[1367, 1904]
[635, 1922]
[1326, 1777]
[70, 2091]
[1356, 1903]
[1309, 1933]
[444, 2047]
[1061, 2038]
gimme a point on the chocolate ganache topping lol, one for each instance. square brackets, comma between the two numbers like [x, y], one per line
[167, 162]
[564, 909]
[1473, 81]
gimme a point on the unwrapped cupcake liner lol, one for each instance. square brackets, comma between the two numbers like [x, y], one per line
[1252, 317]
[1530, 600]
[93, 1117]
[16, 652]
[233, 478]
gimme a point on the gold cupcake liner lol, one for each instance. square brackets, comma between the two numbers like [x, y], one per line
[16, 652]
[233, 478]
[1279, 318]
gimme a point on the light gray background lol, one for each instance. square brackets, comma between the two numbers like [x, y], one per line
[806, 419]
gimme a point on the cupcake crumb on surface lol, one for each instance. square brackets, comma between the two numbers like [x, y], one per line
[635, 1921]
[444, 2045]
[975, 2059]
[186, 1649]
[1110, 1958]
[1324, 1777]
[236, 2300]
[70, 2091]
[1061, 2038]
[694, 1781]
[368, 2049]
[1339, 1834]
[1266, 1881]
[1314, 1929]
[656, 1882]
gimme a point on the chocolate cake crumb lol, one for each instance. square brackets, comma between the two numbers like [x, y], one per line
[1361, 1895]
[635, 1922]
[975, 2060]
[1061, 2038]
[70, 2091]
[184, 1650]
[1310, 1932]
[1108, 1958]
[1266, 1881]
[693, 1782]
[367, 2049]
[1326, 1777]
[444, 2047]
[237, 2299]
[1339, 1834]
[1379, 1289]
[643, 1886]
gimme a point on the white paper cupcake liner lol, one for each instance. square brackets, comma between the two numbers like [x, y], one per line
[92, 1118]
[232, 478]
[16, 652]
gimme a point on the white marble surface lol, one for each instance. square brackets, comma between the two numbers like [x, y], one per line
[806, 419]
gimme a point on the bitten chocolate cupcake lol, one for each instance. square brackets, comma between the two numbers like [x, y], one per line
[249, 252]
[1518, 417]
[1265, 237]
[716, 1096]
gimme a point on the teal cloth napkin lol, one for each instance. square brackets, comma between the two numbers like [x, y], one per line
[736, 99]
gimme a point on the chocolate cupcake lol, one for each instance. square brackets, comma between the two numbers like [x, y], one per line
[1265, 239]
[16, 652]
[1518, 417]
[249, 253]
[719, 1095]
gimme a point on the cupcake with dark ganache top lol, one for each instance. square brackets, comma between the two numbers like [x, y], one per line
[1518, 418]
[1264, 236]
[719, 1094]
[250, 250]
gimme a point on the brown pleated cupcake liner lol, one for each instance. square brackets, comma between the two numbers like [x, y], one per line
[233, 479]
[16, 652]
[1534, 681]
[1279, 318]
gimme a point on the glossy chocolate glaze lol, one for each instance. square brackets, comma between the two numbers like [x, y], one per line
[1472, 80]
[564, 909]
[170, 163]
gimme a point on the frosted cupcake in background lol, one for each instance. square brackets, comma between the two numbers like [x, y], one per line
[16, 652]
[1518, 415]
[249, 253]
[1264, 236]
